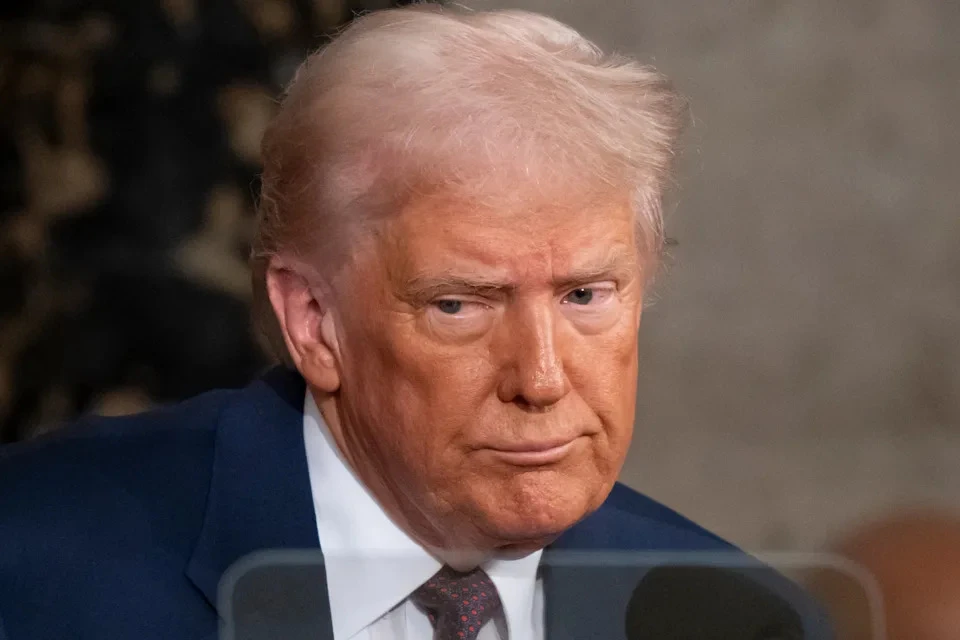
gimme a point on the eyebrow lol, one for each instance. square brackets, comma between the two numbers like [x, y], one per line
[426, 287]
[618, 262]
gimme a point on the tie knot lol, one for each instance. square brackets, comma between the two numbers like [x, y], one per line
[458, 603]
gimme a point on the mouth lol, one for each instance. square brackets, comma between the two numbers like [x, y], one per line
[536, 453]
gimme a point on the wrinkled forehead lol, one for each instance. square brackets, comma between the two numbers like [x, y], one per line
[499, 219]
[529, 211]
[509, 237]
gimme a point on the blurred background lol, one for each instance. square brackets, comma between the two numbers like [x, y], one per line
[801, 353]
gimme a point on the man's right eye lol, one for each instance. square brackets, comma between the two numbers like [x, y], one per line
[459, 319]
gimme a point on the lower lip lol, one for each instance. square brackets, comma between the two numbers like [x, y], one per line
[536, 458]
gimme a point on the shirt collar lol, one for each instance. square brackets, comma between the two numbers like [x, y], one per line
[372, 564]
[516, 582]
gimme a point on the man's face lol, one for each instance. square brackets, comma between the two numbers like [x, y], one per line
[489, 362]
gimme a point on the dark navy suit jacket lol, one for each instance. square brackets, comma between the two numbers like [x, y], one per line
[123, 527]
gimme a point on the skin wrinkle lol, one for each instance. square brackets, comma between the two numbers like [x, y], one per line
[418, 403]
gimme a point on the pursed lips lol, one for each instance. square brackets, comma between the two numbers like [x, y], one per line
[536, 452]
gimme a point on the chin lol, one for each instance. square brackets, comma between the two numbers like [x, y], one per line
[541, 511]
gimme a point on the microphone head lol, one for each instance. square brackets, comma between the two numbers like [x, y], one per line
[707, 603]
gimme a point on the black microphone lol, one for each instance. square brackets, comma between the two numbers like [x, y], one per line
[706, 603]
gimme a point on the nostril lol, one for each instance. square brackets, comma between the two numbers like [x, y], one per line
[533, 407]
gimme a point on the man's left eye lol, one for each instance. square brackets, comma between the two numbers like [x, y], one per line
[581, 296]
[593, 296]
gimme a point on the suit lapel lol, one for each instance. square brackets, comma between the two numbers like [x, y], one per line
[260, 489]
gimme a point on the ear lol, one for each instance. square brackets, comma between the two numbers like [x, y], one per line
[307, 323]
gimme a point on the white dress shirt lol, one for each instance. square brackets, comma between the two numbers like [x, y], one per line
[373, 566]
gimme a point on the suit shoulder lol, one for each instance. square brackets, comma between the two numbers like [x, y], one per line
[627, 501]
[110, 467]
[91, 432]
[103, 504]
[630, 521]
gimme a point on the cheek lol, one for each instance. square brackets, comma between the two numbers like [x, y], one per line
[420, 402]
[446, 384]
[604, 372]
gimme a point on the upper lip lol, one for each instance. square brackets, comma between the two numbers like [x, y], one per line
[533, 445]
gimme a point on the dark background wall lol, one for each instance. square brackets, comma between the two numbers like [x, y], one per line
[129, 143]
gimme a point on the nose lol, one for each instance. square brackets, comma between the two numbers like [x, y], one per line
[534, 375]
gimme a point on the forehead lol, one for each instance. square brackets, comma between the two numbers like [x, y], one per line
[516, 239]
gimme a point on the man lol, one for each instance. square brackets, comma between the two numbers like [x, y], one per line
[460, 214]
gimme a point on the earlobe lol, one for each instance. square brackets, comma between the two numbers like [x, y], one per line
[321, 368]
[307, 323]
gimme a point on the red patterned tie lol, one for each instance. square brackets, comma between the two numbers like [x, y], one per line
[458, 604]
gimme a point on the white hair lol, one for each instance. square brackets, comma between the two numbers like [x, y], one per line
[492, 104]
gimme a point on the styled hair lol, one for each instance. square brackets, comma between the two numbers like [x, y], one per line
[490, 105]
